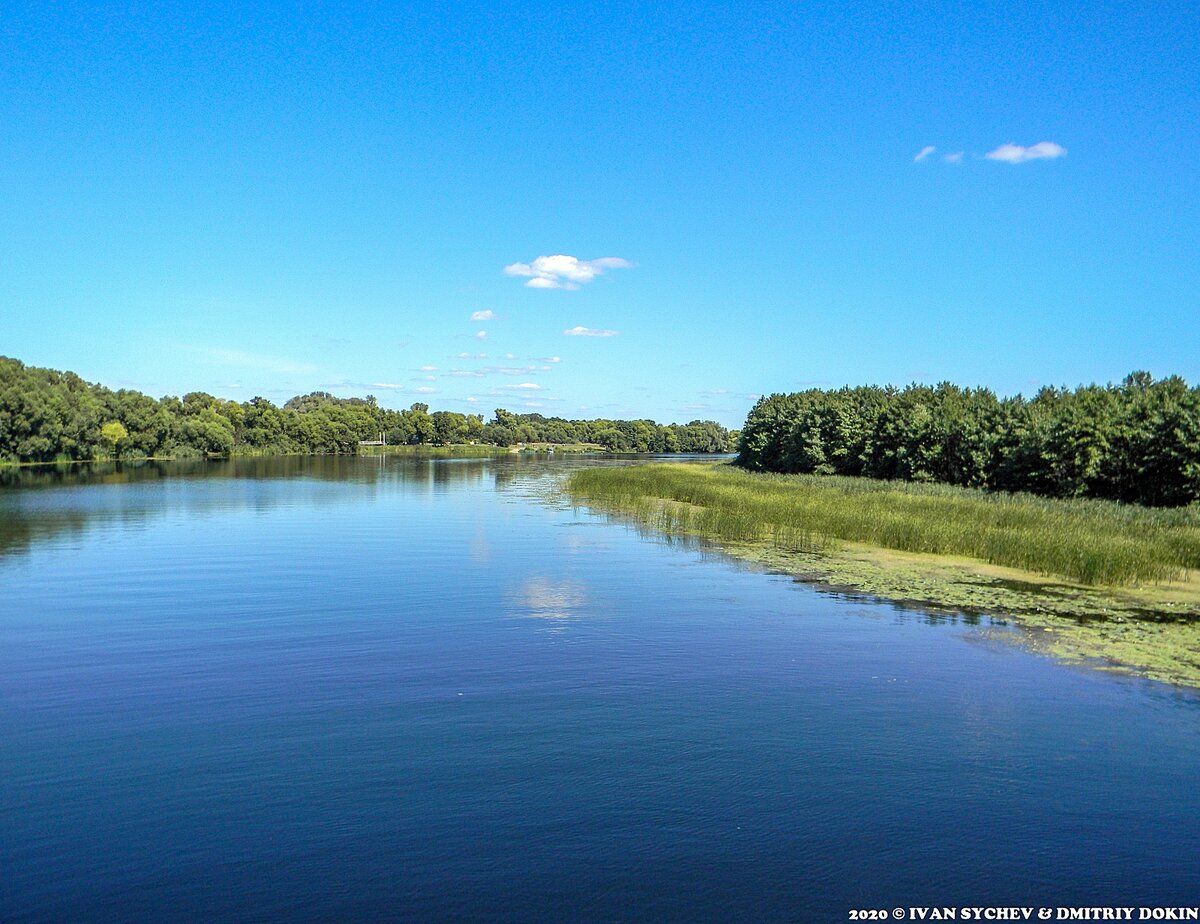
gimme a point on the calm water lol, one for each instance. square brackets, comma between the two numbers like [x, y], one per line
[364, 690]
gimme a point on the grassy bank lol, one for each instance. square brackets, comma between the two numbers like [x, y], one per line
[1089, 579]
[1091, 542]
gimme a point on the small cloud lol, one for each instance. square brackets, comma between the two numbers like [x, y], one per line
[388, 385]
[923, 153]
[425, 378]
[464, 374]
[425, 390]
[1015, 154]
[713, 392]
[581, 331]
[472, 399]
[488, 315]
[472, 355]
[428, 369]
[955, 158]
[561, 271]
[481, 335]
[524, 386]
[548, 359]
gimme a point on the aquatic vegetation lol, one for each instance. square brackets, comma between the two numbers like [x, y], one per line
[1094, 582]
[1092, 542]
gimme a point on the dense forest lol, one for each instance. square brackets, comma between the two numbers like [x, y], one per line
[1137, 442]
[48, 416]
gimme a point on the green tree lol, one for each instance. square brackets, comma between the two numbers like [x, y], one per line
[112, 434]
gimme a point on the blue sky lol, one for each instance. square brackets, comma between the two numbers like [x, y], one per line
[283, 199]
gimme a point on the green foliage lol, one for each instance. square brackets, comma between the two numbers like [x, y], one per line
[1090, 541]
[47, 416]
[703, 436]
[112, 434]
[1137, 442]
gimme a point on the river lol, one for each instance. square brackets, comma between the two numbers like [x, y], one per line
[431, 689]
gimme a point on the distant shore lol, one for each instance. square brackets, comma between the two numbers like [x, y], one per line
[423, 449]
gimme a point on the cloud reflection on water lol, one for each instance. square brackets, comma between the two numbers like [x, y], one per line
[545, 598]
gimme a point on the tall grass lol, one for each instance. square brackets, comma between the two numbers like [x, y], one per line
[1089, 541]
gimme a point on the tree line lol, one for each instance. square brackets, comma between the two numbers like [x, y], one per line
[48, 416]
[1137, 442]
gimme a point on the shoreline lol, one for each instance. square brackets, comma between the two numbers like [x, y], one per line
[1149, 630]
[466, 449]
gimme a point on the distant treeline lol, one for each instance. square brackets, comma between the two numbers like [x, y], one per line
[48, 416]
[1137, 442]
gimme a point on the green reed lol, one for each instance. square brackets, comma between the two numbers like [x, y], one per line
[1089, 541]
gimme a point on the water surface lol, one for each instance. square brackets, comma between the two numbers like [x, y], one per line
[396, 689]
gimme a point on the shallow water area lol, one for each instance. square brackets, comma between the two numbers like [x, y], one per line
[395, 688]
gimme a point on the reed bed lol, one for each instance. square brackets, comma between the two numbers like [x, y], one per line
[1088, 541]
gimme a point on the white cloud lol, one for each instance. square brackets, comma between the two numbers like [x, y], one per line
[428, 369]
[529, 386]
[548, 359]
[472, 355]
[581, 331]
[391, 385]
[561, 271]
[472, 398]
[481, 335]
[1015, 154]
[488, 315]
[955, 158]
[923, 153]
[425, 390]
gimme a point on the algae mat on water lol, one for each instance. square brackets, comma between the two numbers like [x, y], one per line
[835, 533]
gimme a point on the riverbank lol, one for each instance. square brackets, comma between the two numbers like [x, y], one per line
[423, 450]
[1114, 586]
[467, 450]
